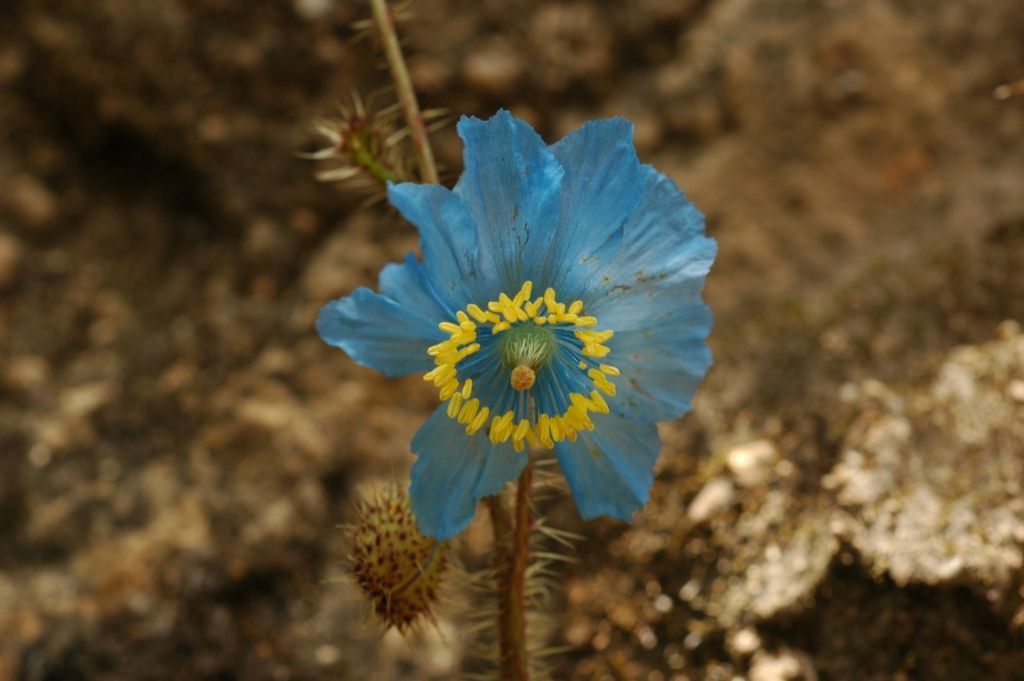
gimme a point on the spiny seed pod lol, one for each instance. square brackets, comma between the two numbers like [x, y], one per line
[398, 568]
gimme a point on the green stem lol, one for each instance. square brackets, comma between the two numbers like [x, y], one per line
[405, 91]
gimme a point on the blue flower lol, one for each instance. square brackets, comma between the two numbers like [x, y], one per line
[557, 305]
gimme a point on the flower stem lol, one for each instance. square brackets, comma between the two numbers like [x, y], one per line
[405, 91]
[512, 547]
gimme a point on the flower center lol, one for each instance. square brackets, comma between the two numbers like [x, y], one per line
[525, 348]
[531, 368]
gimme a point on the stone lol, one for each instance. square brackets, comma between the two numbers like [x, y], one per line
[712, 498]
[494, 69]
[743, 642]
[929, 484]
[750, 463]
[781, 666]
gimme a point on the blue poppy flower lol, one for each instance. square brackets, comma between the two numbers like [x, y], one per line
[557, 305]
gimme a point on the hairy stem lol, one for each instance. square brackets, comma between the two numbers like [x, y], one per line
[514, 556]
[501, 521]
[405, 91]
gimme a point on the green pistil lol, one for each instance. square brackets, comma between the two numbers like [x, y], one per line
[526, 343]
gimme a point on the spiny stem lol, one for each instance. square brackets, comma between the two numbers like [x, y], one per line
[501, 522]
[512, 621]
[406, 93]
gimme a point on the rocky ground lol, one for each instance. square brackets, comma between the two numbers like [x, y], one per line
[178, 446]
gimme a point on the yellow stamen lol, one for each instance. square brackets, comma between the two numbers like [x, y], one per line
[526, 290]
[468, 411]
[477, 313]
[549, 298]
[602, 382]
[600, 406]
[454, 404]
[478, 422]
[543, 432]
[594, 350]
[556, 429]
[449, 389]
[501, 427]
[595, 336]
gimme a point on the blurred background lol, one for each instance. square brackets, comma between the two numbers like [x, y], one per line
[177, 446]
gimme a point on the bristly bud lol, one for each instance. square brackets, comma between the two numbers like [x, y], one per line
[362, 147]
[367, 146]
[398, 568]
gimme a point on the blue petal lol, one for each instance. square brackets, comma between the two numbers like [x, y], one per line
[648, 292]
[454, 471]
[407, 284]
[662, 246]
[388, 331]
[448, 240]
[662, 366]
[511, 188]
[603, 184]
[610, 469]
